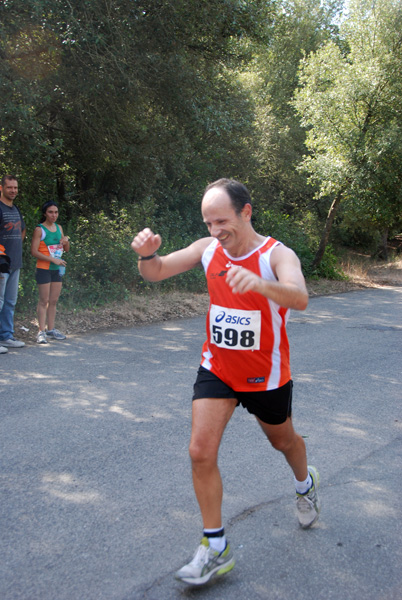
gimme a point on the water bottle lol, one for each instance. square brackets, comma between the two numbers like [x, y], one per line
[62, 270]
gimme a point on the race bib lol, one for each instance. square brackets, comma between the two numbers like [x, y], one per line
[56, 250]
[235, 329]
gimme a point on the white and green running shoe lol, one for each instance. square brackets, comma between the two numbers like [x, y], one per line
[206, 564]
[308, 505]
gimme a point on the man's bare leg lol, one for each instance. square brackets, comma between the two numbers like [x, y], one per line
[284, 438]
[210, 417]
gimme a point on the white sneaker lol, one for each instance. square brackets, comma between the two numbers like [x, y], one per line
[41, 338]
[206, 564]
[3, 350]
[12, 343]
[308, 505]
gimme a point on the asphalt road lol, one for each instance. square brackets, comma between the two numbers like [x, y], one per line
[96, 494]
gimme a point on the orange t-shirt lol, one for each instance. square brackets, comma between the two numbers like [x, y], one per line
[247, 345]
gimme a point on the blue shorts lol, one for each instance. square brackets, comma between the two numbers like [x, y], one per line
[272, 407]
[48, 276]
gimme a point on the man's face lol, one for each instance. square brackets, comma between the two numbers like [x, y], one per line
[222, 220]
[9, 190]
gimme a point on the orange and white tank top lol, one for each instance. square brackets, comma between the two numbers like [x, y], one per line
[247, 345]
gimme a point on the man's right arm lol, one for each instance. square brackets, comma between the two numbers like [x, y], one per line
[146, 243]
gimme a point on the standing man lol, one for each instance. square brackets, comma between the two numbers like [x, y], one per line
[12, 232]
[253, 281]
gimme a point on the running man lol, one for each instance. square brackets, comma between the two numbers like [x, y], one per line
[253, 282]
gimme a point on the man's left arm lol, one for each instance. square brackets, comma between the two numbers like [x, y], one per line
[288, 291]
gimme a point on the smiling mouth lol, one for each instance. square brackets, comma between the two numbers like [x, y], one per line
[223, 238]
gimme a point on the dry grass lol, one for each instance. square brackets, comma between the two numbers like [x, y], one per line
[386, 273]
[362, 272]
[139, 310]
[361, 268]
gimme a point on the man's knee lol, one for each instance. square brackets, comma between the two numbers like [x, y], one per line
[283, 443]
[201, 452]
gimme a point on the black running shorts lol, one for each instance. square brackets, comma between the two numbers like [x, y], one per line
[48, 276]
[272, 407]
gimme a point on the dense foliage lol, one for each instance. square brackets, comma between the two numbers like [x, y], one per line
[351, 103]
[124, 110]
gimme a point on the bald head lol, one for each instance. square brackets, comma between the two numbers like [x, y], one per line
[237, 192]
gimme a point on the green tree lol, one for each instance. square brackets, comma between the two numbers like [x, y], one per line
[351, 104]
[106, 97]
[297, 27]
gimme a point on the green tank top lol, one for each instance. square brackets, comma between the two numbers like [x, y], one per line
[51, 238]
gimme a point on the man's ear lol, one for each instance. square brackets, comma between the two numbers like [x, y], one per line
[247, 211]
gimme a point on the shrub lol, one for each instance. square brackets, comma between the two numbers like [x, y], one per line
[102, 268]
[301, 237]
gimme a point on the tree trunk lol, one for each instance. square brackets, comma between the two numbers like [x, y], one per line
[61, 188]
[327, 230]
[382, 250]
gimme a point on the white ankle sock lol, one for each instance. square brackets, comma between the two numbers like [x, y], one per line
[303, 486]
[217, 543]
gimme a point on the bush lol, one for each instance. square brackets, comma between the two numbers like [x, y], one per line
[301, 237]
[102, 268]
[101, 265]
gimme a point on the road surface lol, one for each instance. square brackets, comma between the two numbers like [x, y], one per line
[96, 494]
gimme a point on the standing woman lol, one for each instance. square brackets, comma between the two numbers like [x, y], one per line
[48, 245]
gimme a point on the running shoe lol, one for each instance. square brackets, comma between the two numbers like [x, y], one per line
[12, 343]
[308, 505]
[206, 564]
[55, 334]
[41, 338]
[3, 350]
